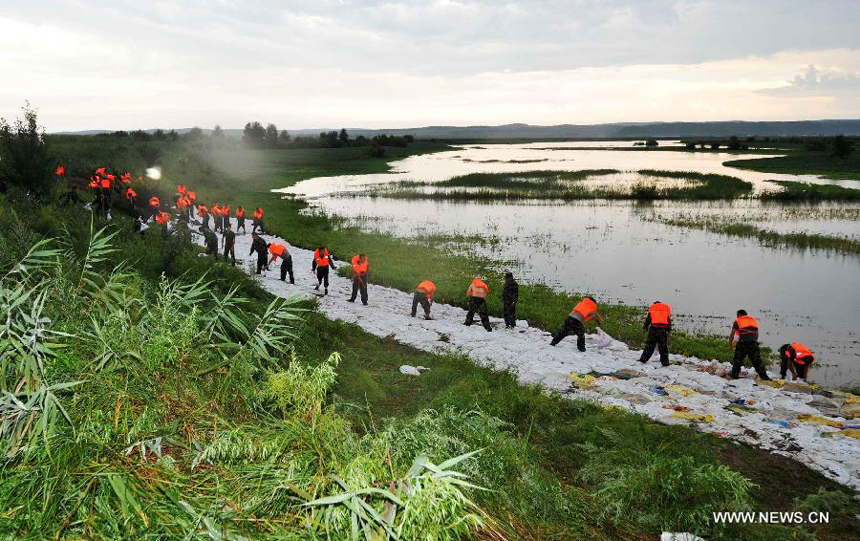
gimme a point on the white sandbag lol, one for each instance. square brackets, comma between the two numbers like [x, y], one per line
[669, 536]
[409, 370]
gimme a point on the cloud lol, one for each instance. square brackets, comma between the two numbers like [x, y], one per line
[814, 82]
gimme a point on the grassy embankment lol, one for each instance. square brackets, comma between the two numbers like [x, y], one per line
[561, 468]
[806, 162]
[567, 186]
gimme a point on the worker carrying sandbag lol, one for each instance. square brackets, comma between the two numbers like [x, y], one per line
[797, 358]
[279, 250]
[584, 311]
[359, 278]
[258, 220]
[259, 245]
[746, 329]
[424, 294]
[658, 323]
[477, 293]
[211, 241]
[321, 263]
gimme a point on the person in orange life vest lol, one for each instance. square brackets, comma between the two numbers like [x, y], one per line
[105, 185]
[161, 218]
[797, 358]
[225, 216]
[258, 220]
[228, 240]
[259, 245]
[181, 189]
[658, 323]
[126, 178]
[424, 293]
[203, 212]
[321, 263]
[131, 195]
[746, 328]
[216, 215]
[240, 219]
[359, 278]
[584, 311]
[477, 293]
[60, 172]
[279, 250]
[192, 200]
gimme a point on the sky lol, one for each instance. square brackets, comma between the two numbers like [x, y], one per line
[128, 64]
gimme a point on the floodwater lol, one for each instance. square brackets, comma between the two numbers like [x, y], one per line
[621, 252]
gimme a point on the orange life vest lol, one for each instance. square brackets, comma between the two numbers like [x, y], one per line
[427, 287]
[130, 194]
[258, 214]
[60, 171]
[161, 217]
[240, 212]
[192, 196]
[101, 171]
[802, 353]
[277, 250]
[202, 211]
[225, 211]
[182, 203]
[360, 267]
[746, 325]
[126, 177]
[94, 182]
[105, 184]
[321, 259]
[181, 189]
[154, 202]
[216, 209]
[659, 313]
[478, 289]
[586, 309]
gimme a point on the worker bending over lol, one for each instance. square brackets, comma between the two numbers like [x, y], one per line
[658, 323]
[797, 358]
[321, 263]
[211, 241]
[424, 294]
[259, 245]
[510, 296]
[229, 242]
[279, 250]
[746, 328]
[584, 311]
[359, 278]
[477, 293]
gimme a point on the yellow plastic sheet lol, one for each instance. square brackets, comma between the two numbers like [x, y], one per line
[851, 433]
[699, 417]
[775, 383]
[680, 389]
[819, 420]
[582, 381]
[852, 398]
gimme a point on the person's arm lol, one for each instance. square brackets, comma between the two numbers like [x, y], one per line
[647, 323]
[253, 245]
[331, 261]
[669, 326]
[313, 264]
[515, 293]
[272, 259]
[599, 316]
[792, 369]
[732, 335]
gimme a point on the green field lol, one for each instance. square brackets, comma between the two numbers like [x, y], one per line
[555, 468]
[803, 162]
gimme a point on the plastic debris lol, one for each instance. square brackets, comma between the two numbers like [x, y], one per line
[669, 536]
[585, 381]
[603, 339]
[675, 407]
[779, 422]
[658, 390]
[698, 417]
[412, 370]
[680, 389]
[819, 420]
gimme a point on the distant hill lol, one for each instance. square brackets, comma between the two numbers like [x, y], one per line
[623, 130]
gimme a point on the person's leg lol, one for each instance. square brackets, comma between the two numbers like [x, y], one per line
[288, 261]
[325, 279]
[580, 334]
[284, 270]
[470, 314]
[663, 347]
[563, 331]
[485, 317]
[363, 290]
[415, 300]
[507, 310]
[738, 360]
[233, 253]
[648, 350]
[755, 359]
[425, 303]
[355, 286]
[802, 371]
[783, 366]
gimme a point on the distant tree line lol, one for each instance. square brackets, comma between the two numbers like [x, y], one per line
[257, 136]
[838, 146]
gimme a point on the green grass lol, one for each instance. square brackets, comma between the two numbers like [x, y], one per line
[806, 192]
[566, 186]
[803, 162]
[774, 239]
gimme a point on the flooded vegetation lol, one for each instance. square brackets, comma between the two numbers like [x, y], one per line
[737, 246]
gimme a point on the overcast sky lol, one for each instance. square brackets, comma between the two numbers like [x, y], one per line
[125, 64]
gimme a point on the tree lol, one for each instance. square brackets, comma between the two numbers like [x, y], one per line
[344, 137]
[24, 156]
[329, 139]
[284, 137]
[734, 143]
[217, 131]
[715, 145]
[194, 134]
[651, 143]
[841, 147]
[271, 136]
[254, 134]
